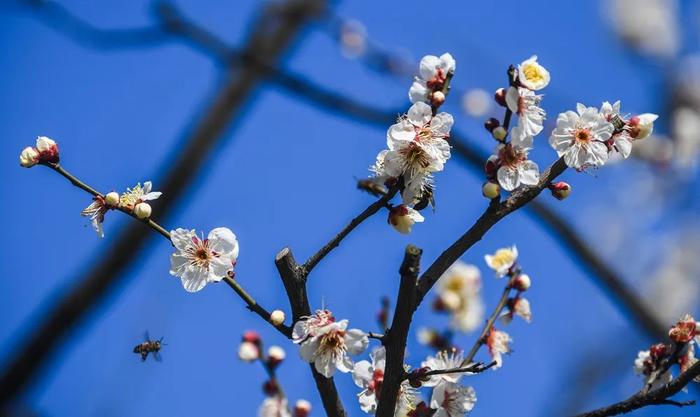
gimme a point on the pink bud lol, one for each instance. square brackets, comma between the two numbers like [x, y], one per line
[500, 97]
[521, 282]
[302, 408]
[251, 336]
[560, 190]
[437, 99]
[491, 124]
[48, 150]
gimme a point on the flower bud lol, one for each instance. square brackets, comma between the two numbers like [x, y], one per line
[28, 157]
[560, 190]
[491, 167]
[500, 97]
[112, 199]
[499, 133]
[248, 352]
[402, 218]
[685, 330]
[277, 317]
[251, 336]
[275, 355]
[491, 190]
[48, 149]
[521, 282]
[302, 408]
[491, 124]
[437, 98]
[142, 210]
[640, 127]
[271, 388]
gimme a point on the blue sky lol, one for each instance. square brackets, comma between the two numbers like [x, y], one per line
[284, 175]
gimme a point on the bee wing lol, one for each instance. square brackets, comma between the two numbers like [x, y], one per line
[157, 357]
[146, 336]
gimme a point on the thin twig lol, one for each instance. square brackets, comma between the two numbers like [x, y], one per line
[659, 396]
[488, 326]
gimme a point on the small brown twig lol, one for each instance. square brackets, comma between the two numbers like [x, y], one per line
[481, 340]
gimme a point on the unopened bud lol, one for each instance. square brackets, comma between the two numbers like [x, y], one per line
[491, 190]
[248, 352]
[491, 124]
[28, 157]
[500, 97]
[251, 336]
[491, 167]
[48, 149]
[402, 218]
[521, 282]
[143, 210]
[275, 355]
[640, 127]
[560, 190]
[271, 388]
[302, 408]
[685, 330]
[277, 317]
[499, 133]
[112, 199]
[438, 98]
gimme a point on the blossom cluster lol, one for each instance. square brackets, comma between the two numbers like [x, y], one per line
[656, 362]
[45, 152]
[417, 144]
[275, 403]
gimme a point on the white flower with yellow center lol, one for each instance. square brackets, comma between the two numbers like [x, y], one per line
[503, 260]
[441, 361]
[328, 347]
[417, 143]
[138, 194]
[532, 75]
[526, 105]
[433, 74]
[459, 290]
[452, 400]
[514, 167]
[198, 261]
[580, 138]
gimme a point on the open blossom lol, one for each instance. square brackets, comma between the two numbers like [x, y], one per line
[459, 292]
[649, 361]
[498, 343]
[274, 406]
[580, 138]
[621, 140]
[370, 375]
[684, 330]
[444, 360]
[417, 142]
[532, 75]
[138, 194]
[433, 74]
[328, 345]
[198, 261]
[688, 359]
[526, 105]
[517, 306]
[452, 400]
[514, 169]
[503, 260]
[402, 218]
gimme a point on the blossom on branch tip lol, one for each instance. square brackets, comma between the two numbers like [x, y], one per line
[45, 151]
[517, 306]
[684, 330]
[514, 169]
[199, 261]
[402, 218]
[526, 105]
[498, 343]
[580, 137]
[302, 408]
[503, 260]
[444, 360]
[433, 73]
[138, 194]
[532, 75]
[29, 157]
[452, 400]
[328, 346]
[96, 212]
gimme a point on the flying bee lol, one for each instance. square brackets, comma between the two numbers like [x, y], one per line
[149, 346]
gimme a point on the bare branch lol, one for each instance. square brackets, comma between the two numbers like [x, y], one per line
[395, 339]
[488, 326]
[658, 396]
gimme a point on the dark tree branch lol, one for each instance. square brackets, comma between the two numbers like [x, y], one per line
[368, 212]
[295, 287]
[269, 39]
[659, 396]
[395, 339]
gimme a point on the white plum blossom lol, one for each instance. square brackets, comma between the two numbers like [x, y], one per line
[433, 74]
[274, 406]
[503, 260]
[526, 105]
[138, 194]
[498, 343]
[311, 326]
[402, 218]
[370, 375]
[532, 75]
[620, 141]
[644, 365]
[441, 361]
[328, 346]
[514, 169]
[459, 290]
[452, 400]
[199, 261]
[96, 212]
[518, 306]
[417, 143]
[580, 137]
